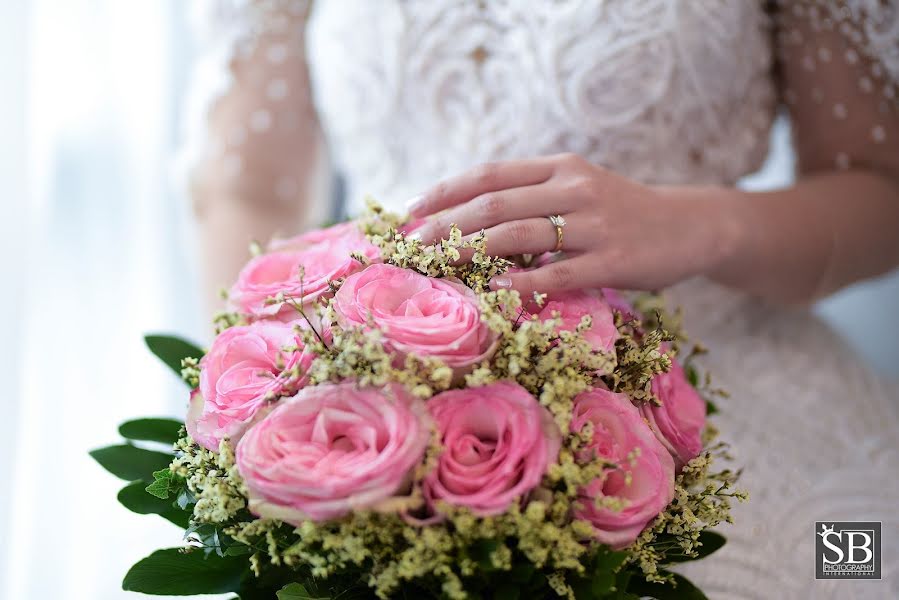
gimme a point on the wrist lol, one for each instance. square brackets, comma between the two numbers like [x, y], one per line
[735, 228]
[720, 221]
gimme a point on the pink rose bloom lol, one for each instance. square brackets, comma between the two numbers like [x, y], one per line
[239, 376]
[347, 231]
[417, 315]
[333, 449]
[321, 255]
[679, 421]
[572, 306]
[621, 436]
[617, 302]
[547, 258]
[498, 443]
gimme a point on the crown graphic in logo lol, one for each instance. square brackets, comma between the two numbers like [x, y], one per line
[825, 530]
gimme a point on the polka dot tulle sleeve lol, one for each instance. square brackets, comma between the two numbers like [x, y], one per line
[839, 78]
[254, 135]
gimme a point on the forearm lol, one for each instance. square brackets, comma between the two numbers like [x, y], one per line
[259, 136]
[801, 243]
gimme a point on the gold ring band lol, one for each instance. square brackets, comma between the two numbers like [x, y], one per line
[559, 223]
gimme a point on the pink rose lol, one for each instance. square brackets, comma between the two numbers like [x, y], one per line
[498, 443]
[679, 421]
[333, 449]
[547, 258]
[346, 231]
[617, 302]
[417, 315]
[321, 256]
[572, 306]
[644, 478]
[239, 376]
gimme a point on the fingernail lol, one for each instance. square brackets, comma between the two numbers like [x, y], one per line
[413, 203]
[503, 283]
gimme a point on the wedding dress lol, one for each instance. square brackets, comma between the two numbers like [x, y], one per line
[664, 91]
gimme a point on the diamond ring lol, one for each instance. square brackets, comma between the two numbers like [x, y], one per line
[559, 222]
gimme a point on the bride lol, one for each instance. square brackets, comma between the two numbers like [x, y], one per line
[630, 119]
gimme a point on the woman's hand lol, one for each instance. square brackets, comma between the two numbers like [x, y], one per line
[618, 233]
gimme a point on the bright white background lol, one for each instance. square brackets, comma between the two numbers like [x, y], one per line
[96, 249]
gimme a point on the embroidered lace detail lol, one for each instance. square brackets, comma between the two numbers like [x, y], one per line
[414, 91]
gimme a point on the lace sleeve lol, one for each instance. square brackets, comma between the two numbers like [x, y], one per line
[253, 138]
[839, 69]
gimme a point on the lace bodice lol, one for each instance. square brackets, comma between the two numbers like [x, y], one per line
[652, 89]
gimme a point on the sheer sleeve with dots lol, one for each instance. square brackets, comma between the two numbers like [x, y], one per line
[839, 70]
[253, 143]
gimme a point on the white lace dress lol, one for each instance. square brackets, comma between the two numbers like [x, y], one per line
[664, 91]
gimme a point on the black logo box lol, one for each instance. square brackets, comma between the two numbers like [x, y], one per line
[848, 550]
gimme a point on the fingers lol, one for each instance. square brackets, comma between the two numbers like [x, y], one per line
[527, 236]
[572, 273]
[489, 177]
[490, 209]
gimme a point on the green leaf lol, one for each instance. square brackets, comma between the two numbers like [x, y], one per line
[481, 551]
[681, 589]
[167, 484]
[237, 550]
[295, 591]
[621, 585]
[164, 431]
[710, 408]
[185, 498]
[692, 375]
[170, 573]
[135, 498]
[605, 571]
[601, 576]
[507, 591]
[162, 483]
[711, 542]
[171, 350]
[130, 462]
[521, 572]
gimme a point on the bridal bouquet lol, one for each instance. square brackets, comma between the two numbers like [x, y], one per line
[373, 422]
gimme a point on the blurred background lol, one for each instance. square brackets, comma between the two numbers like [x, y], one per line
[97, 247]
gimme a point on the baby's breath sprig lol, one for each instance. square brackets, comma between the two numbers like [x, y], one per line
[640, 356]
[701, 379]
[226, 318]
[298, 303]
[377, 221]
[657, 314]
[553, 365]
[213, 479]
[190, 371]
[703, 498]
[359, 354]
[443, 259]
[400, 553]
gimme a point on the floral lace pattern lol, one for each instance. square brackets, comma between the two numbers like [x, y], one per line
[426, 89]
